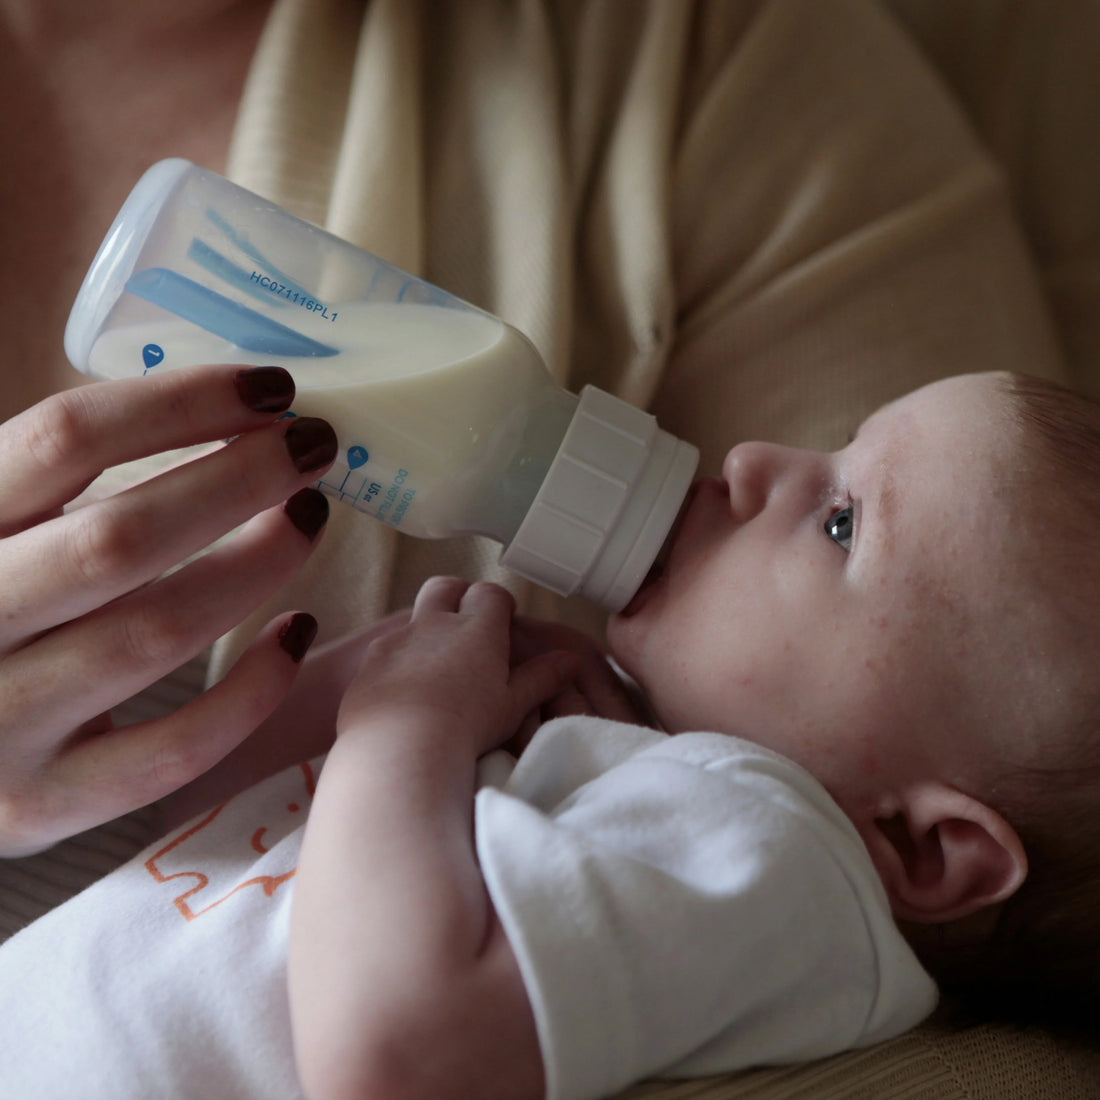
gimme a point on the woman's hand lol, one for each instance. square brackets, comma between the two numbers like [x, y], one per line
[88, 617]
[302, 727]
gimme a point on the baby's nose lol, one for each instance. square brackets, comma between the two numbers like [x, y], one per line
[752, 471]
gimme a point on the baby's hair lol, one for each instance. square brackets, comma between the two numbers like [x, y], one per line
[1041, 960]
[1061, 437]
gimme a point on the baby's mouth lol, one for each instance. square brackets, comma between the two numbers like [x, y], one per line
[656, 570]
[650, 579]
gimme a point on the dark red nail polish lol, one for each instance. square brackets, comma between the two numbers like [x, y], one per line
[311, 443]
[265, 389]
[298, 635]
[308, 511]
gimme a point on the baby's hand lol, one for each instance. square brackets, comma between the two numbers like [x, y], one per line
[450, 670]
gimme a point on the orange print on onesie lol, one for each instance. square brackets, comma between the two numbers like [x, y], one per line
[186, 860]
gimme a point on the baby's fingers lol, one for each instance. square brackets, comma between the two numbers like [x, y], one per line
[607, 695]
[439, 594]
[540, 680]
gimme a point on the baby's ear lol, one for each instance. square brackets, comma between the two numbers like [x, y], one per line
[942, 855]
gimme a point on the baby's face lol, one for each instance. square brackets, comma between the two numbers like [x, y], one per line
[833, 607]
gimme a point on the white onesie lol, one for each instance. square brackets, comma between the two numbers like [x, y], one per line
[679, 906]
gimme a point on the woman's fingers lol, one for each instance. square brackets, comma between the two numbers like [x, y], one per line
[66, 567]
[113, 772]
[94, 663]
[50, 452]
[89, 612]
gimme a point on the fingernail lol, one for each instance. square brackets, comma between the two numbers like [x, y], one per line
[308, 511]
[311, 443]
[265, 389]
[298, 634]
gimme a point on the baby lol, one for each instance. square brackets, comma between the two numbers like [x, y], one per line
[885, 617]
[871, 756]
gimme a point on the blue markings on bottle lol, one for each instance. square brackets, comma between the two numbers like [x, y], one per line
[237, 277]
[348, 482]
[152, 355]
[356, 457]
[253, 253]
[221, 316]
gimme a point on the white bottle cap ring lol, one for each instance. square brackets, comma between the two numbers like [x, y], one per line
[606, 505]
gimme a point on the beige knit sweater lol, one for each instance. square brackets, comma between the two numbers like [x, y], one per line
[759, 220]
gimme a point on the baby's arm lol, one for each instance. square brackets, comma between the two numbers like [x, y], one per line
[402, 983]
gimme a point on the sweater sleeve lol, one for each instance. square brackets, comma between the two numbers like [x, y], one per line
[699, 906]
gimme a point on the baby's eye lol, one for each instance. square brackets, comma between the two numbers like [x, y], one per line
[840, 527]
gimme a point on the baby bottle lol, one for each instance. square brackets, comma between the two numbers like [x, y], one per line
[447, 419]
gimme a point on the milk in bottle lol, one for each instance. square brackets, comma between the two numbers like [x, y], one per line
[446, 419]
